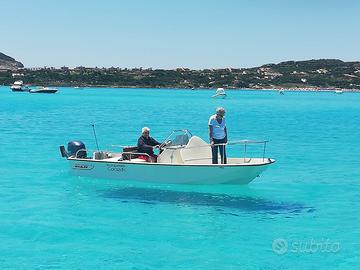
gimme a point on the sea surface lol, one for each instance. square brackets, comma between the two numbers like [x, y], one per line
[302, 213]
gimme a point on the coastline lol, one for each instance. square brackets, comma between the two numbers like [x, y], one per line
[290, 89]
[227, 89]
[308, 75]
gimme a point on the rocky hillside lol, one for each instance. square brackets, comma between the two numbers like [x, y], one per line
[9, 63]
[320, 73]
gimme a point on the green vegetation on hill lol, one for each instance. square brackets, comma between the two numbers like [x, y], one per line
[324, 73]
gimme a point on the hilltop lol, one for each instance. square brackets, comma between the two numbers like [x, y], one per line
[323, 73]
[9, 63]
[309, 74]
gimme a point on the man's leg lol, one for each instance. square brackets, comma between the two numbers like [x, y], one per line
[222, 151]
[214, 151]
[153, 158]
[223, 154]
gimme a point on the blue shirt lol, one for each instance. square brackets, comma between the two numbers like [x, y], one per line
[218, 129]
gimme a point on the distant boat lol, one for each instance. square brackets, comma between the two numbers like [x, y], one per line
[18, 86]
[338, 91]
[44, 90]
[220, 93]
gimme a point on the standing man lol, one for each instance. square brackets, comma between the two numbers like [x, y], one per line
[218, 135]
[146, 144]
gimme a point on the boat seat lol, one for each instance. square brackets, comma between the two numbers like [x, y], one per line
[197, 151]
[129, 149]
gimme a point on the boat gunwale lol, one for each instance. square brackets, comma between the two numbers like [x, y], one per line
[271, 161]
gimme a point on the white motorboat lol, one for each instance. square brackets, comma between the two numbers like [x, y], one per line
[220, 93]
[183, 159]
[338, 91]
[44, 90]
[18, 86]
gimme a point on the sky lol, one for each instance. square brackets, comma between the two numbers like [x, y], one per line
[169, 34]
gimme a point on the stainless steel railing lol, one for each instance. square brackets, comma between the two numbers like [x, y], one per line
[244, 142]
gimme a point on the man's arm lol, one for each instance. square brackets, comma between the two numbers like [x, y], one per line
[225, 135]
[211, 134]
[154, 142]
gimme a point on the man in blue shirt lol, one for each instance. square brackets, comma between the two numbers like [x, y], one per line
[218, 135]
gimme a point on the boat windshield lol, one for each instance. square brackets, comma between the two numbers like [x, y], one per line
[177, 138]
[220, 91]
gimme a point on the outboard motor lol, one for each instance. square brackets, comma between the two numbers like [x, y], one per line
[76, 149]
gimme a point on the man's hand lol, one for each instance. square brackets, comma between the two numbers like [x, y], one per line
[212, 143]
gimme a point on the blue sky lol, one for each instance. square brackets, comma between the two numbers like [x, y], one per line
[168, 34]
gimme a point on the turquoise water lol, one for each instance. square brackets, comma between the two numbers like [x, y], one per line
[302, 213]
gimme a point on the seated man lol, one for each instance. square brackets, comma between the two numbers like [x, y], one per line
[146, 144]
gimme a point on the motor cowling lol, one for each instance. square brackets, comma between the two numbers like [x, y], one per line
[77, 149]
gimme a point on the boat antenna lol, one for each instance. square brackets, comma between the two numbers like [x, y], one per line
[97, 145]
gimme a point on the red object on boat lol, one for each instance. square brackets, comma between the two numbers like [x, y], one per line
[146, 158]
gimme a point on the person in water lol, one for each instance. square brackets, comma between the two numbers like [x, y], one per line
[146, 144]
[218, 135]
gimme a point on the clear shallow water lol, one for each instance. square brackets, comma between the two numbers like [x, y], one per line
[309, 200]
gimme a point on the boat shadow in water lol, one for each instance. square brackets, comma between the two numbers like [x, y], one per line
[218, 201]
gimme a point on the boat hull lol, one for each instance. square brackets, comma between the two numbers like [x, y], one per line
[50, 91]
[219, 96]
[14, 89]
[168, 173]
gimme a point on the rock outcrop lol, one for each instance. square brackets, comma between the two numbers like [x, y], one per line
[9, 63]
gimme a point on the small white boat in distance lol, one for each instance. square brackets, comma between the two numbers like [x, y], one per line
[18, 86]
[220, 93]
[183, 159]
[44, 90]
[338, 91]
